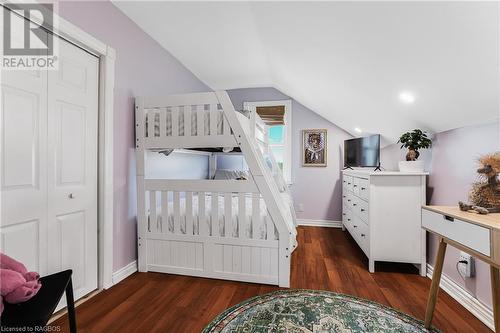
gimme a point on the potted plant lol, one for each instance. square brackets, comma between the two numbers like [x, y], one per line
[413, 141]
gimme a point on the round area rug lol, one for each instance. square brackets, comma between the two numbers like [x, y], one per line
[301, 311]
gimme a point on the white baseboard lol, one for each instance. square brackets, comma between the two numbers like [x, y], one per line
[466, 299]
[124, 272]
[320, 223]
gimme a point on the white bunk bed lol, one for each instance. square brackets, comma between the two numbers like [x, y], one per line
[240, 230]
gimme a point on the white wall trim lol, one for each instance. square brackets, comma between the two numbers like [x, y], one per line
[251, 106]
[320, 223]
[107, 57]
[124, 272]
[465, 298]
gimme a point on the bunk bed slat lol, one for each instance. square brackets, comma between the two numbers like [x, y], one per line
[189, 213]
[215, 214]
[187, 120]
[269, 228]
[228, 215]
[164, 212]
[255, 216]
[202, 218]
[177, 214]
[213, 119]
[242, 220]
[200, 121]
[163, 122]
[175, 121]
[151, 123]
[153, 219]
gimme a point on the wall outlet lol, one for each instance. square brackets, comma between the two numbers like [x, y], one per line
[300, 207]
[466, 269]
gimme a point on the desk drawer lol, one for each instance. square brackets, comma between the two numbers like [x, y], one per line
[471, 235]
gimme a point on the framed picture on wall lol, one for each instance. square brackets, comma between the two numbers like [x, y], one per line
[314, 148]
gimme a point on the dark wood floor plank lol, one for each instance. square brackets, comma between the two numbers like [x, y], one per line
[326, 259]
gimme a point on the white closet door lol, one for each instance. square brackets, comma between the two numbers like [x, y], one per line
[72, 166]
[23, 166]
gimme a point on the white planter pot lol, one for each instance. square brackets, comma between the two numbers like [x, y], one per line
[411, 166]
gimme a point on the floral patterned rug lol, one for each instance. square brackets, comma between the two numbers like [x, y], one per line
[312, 311]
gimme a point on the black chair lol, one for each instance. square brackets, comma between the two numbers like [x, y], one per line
[36, 312]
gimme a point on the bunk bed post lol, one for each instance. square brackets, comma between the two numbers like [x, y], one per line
[258, 173]
[212, 165]
[141, 193]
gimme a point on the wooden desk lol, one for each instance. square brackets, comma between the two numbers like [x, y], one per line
[478, 235]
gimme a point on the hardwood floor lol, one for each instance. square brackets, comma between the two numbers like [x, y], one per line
[326, 259]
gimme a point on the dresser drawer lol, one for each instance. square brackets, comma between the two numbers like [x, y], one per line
[471, 235]
[362, 210]
[363, 237]
[344, 213]
[355, 185]
[348, 182]
[359, 231]
[363, 188]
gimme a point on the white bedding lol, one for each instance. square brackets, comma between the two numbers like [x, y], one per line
[264, 217]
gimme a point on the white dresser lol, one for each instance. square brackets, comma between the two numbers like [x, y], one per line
[382, 212]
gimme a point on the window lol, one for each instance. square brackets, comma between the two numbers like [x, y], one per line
[278, 117]
[277, 143]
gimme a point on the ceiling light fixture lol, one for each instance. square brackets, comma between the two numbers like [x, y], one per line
[358, 130]
[407, 97]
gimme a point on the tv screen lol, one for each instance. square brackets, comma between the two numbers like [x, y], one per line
[362, 152]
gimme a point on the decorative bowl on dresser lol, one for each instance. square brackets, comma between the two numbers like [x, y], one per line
[382, 212]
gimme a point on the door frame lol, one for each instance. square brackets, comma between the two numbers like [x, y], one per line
[105, 173]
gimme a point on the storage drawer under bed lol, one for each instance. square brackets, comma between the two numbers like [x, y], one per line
[473, 236]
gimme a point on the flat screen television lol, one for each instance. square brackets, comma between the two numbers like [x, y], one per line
[362, 152]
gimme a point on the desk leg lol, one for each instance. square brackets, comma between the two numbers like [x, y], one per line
[436, 278]
[495, 288]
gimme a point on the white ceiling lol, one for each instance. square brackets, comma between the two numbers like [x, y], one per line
[347, 61]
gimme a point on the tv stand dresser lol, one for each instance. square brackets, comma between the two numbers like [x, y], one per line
[382, 212]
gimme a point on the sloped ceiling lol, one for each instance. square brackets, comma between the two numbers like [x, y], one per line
[347, 61]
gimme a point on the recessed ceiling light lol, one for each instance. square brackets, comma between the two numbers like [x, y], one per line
[358, 130]
[407, 97]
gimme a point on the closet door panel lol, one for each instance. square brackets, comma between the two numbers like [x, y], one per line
[23, 172]
[72, 176]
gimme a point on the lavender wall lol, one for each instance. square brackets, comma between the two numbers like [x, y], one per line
[453, 169]
[143, 67]
[324, 202]
[452, 163]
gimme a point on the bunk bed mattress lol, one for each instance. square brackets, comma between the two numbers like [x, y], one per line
[265, 219]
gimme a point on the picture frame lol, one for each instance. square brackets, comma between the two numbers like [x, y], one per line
[314, 148]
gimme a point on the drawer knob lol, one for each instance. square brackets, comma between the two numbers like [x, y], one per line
[449, 218]
[355, 226]
[363, 188]
[354, 204]
[343, 196]
[343, 214]
[348, 219]
[348, 183]
[355, 185]
[349, 200]
[363, 235]
[362, 210]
